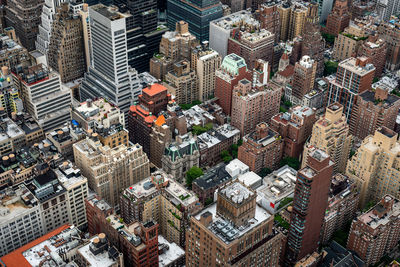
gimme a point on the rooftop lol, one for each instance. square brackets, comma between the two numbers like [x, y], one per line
[110, 12]
[154, 89]
[237, 192]
[351, 65]
[9, 130]
[369, 96]
[170, 252]
[234, 20]
[374, 220]
[215, 136]
[101, 258]
[213, 177]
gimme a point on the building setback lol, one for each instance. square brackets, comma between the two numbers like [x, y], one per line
[338, 19]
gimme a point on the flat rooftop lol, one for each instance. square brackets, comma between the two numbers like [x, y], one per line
[237, 192]
[350, 64]
[279, 184]
[9, 130]
[171, 253]
[375, 221]
[99, 260]
[213, 177]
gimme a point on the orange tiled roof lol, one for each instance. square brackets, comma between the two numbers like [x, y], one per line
[154, 89]
[16, 259]
[160, 120]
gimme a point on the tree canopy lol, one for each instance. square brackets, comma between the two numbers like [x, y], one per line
[192, 174]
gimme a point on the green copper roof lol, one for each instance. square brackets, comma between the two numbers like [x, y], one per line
[232, 63]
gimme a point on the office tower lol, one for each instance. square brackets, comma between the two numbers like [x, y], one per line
[143, 113]
[205, 62]
[181, 155]
[84, 15]
[331, 134]
[295, 128]
[174, 46]
[386, 9]
[66, 46]
[252, 46]
[373, 167]
[45, 98]
[138, 241]
[162, 199]
[284, 17]
[298, 14]
[375, 48]
[110, 170]
[109, 76]
[342, 206]
[233, 69]
[372, 111]
[303, 79]
[268, 15]
[338, 19]
[261, 148]
[348, 43]
[264, 243]
[376, 232]
[390, 32]
[309, 205]
[324, 9]
[353, 76]
[182, 83]
[197, 14]
[24, 17]
[252, 104]
[221, 29]
[46, 24]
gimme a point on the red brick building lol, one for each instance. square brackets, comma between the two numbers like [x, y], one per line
[390, 32]
[372, 111]
[375, 49]
[295, 128]
[261, 148]
[268, 15]
[339, 18]
[233, 69]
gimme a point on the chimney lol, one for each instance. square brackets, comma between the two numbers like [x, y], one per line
[262, 130]
[4, 70]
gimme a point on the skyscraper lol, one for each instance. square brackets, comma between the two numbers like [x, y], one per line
[198, 13]
[309, 206]
[338, 19]
[303, 79]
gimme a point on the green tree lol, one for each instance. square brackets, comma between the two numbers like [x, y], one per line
[292, 162]
[264, 172]
[329, 38]
[224, 153]
[330, 67]
[209, 201]
[192, 174]
[227, 159]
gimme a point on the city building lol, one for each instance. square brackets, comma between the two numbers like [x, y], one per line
[66, 46]
[160, 136]
[268, 15]
[262, 148]
[338, 19]
[63, 138]
[45, 98]
[277, 186]
[316, 98]
[197, 14]
[12, 54]
[205, 62]
[142, 115]
[213, 142]
[331, 133]
[233, 69]
[324, 9]
[312, 42]
[252, 46]
[228, 226]
[252, 104]
[25, 18]
[298, 14]
[353, 76]
[303, 79]
[160, 198]
[372, 111]
[295, 127]
[12, 137]
[10, 101]
[379, 153]
[181, 155]
[137, 241]
[284, 18]
[33, 132]
[110, 170]
[342, 206]
[309, 205]
[376, 232]
[390, 32]
[350, 41]
[182, 83]
[375, 48]
[386, 9]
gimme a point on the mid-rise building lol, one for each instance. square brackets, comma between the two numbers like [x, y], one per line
[386, 9]
[374, 166]
[338, 19]
[312, 42]
[376, 232]
[342, 206]
[197, 14]
[12, 137]
[348, 43]
[252, 104]
[390, 32]
[372, 111]
[295, 127]
[331, 134]
[162, 199]
[110, 170]
[262, 148]
[13, 54]
[10, 101]
[208, 237]
[353, 76]
[309, 205]
[24, 17]
[303, 79]
[233, 69]
[375, 48]
[66, 52]
[268, 15]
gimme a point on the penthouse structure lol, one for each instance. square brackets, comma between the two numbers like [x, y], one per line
[376, 232]
[295, 127]
[213, 142]
[162, 199]
[110, 170]
[227, 225]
